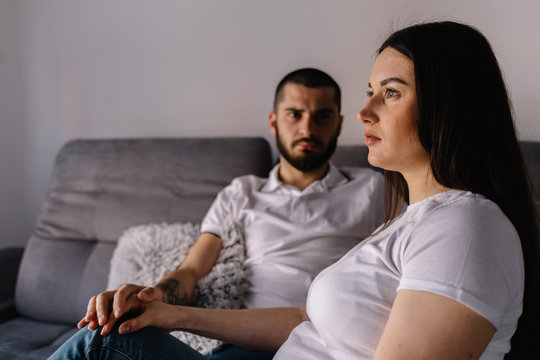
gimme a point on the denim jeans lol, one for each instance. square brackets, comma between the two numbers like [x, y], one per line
[147, 343]
[231, 352]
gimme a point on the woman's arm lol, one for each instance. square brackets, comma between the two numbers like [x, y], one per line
[258, 329]
[424, 325]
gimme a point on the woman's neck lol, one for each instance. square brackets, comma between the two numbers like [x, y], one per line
[422, 185]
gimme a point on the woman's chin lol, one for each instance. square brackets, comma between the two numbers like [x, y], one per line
[374, 160]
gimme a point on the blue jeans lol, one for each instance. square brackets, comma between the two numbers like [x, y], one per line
[231, 352]
[147, 343]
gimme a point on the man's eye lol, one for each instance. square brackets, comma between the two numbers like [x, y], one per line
[294, 114]
[322, 117]
[369, 93]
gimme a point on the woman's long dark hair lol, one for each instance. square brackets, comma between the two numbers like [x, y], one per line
[465, 123]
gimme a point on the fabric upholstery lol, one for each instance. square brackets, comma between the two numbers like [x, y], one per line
[531, 153]
[352, 155]
[10, 258]
[101, 187]
[24, 339]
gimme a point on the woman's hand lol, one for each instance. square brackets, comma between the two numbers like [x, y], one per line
[107, 307]
[157, 314]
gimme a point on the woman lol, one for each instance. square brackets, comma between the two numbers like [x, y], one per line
[443, 279]
[438, 120]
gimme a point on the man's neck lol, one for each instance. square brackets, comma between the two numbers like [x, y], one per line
[290, 175]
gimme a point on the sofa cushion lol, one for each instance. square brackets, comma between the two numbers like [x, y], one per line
[100, 188]
[58, 276]
[146, 253]
[23, 338]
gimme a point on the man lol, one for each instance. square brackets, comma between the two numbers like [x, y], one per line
[299, 220]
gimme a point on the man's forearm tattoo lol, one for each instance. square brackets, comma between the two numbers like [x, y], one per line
[174, 292]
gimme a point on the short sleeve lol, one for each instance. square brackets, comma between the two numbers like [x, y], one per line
[226, 205]
[215, 215]
[470, 252]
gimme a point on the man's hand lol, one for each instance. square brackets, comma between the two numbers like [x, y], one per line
[176, 288]
[107, 307]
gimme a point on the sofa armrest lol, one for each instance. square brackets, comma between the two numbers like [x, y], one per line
[10, 259]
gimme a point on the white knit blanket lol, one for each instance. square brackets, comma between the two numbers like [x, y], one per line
[145, 253]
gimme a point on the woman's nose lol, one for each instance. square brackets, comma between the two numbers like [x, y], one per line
[366, 114]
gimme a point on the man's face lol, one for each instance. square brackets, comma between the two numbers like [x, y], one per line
[306, 125]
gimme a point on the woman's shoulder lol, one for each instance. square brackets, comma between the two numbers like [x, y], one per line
[465, 217]
[460, 206]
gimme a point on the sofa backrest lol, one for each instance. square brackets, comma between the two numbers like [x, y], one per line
[352, 155]
[99, 188]
[531, 153]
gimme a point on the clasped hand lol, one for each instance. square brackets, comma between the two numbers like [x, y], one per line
[106, 308]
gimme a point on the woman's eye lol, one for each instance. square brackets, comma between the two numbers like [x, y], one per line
[390, 93]
[369, 93]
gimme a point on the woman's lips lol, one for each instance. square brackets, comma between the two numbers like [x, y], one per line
[371, 139]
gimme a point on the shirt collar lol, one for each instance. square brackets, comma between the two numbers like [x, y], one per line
[333, 178]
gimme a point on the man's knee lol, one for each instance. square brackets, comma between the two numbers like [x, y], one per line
[90, 344]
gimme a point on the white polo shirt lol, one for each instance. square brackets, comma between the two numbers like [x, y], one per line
[291, 235]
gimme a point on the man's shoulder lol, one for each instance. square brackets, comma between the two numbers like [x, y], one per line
[360, 173]
[246, 183]
[361, 181]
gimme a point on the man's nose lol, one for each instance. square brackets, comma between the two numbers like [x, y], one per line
[307, 125]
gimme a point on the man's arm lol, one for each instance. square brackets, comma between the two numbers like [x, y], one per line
[178, 287]
[175, 288]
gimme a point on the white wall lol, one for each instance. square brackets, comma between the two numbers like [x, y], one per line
[125, 68]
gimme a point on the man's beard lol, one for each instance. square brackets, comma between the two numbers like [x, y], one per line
[309, 160]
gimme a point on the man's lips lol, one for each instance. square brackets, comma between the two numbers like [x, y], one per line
[307, 144]
[371, 139]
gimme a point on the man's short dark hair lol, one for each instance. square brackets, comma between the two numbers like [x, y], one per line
[311, 78]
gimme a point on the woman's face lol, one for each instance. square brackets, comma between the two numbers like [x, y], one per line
[390, 115]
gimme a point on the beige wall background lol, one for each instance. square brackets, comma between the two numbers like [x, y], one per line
[129, 68]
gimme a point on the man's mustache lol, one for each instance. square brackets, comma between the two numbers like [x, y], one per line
[314, 141]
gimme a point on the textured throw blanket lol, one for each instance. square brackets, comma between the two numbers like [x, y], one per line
[145, 253]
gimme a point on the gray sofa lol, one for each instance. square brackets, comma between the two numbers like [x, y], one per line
[98, 189]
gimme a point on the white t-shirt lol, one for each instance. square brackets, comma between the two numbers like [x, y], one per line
[456, 244]
[291, 235]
